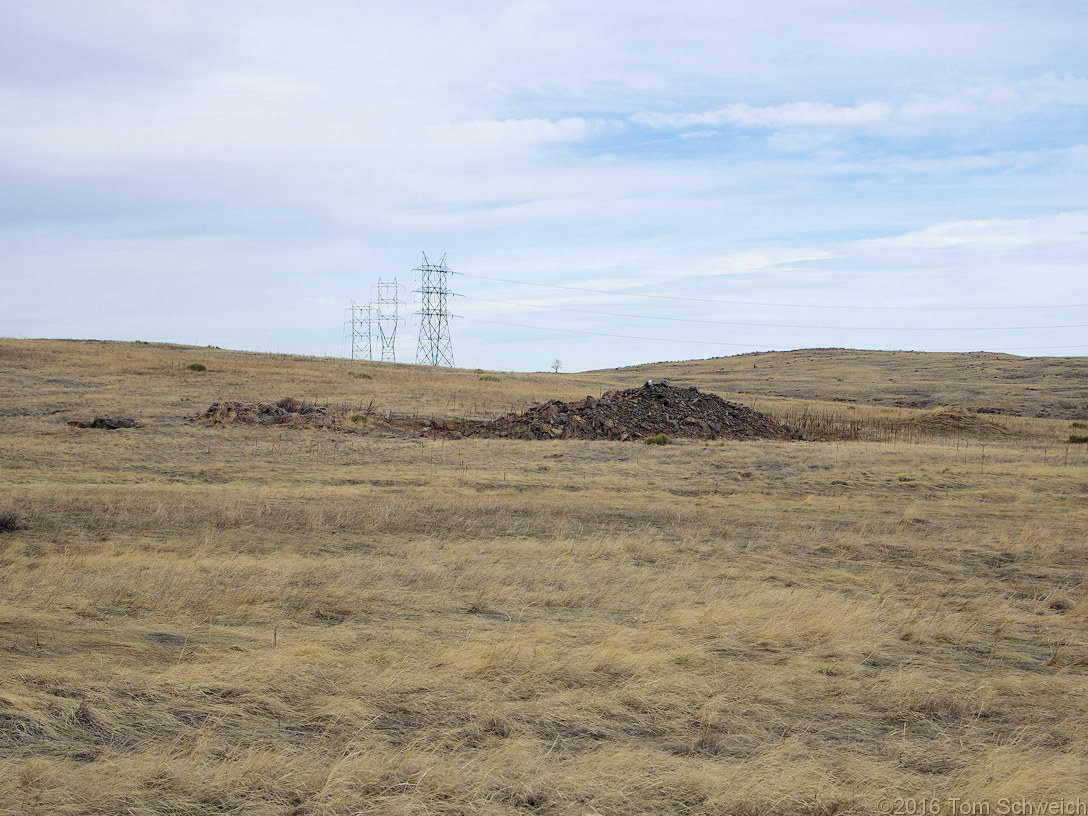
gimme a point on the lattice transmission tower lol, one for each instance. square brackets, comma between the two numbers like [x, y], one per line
[361, 324]
[435, 347]
[386, 311]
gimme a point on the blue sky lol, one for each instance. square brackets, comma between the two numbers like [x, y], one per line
[617, 182]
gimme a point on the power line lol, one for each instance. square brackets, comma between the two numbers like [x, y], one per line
[774, 305]
[778, 325]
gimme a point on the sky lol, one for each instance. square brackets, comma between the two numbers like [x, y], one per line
[610, 183]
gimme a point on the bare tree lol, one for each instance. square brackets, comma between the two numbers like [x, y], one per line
[556, 365]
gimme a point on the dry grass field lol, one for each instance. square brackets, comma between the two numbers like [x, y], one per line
[202, 619]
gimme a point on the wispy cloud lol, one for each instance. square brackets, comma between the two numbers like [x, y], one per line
[987, 99]
[494, 137]
[1057, 232]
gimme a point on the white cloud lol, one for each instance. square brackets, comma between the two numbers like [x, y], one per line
[765, 260]
[793, 114]
[1053, 230]
[487, 137]
[959, 233]
[988, 99]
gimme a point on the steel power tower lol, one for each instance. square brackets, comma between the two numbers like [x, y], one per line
[386, 313]
[435, 347]
[361, 320]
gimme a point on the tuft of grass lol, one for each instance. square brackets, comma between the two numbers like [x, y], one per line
[489, 378]
[361, 375]
[1080, 424]
[1078, 439]
[197, 367]
[659, 439]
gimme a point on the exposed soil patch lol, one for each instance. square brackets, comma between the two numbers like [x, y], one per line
[636, 413]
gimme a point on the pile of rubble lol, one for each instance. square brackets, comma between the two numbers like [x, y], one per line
[288, 411]
[636, 413]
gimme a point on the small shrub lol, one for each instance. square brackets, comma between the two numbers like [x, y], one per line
[363, 415]
[1080, 424]
[1078, 439]
[9, 521]
[295, 406]
[489, 378]
[361, 375]
[197, 367]
[659, 439]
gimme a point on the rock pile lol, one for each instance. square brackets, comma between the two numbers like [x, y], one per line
[636, 413]
[288, 411]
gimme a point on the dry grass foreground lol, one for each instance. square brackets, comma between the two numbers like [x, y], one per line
[244, 620]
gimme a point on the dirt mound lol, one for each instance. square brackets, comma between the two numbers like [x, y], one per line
[288, 411]
[655, 408]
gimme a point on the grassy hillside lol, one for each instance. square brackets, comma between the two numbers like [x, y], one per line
[980, 381]
[255, 620]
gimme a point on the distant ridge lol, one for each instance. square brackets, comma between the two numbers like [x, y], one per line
[981, 381]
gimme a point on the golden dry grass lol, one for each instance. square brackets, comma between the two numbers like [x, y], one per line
[247, 620]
